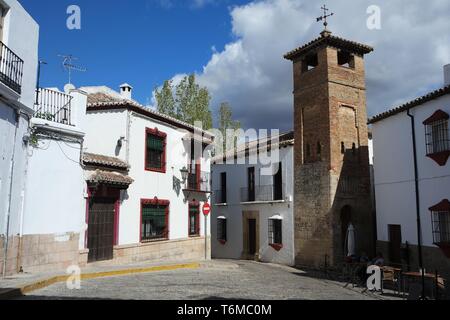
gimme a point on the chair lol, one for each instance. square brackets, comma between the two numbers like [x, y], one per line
[391, 276]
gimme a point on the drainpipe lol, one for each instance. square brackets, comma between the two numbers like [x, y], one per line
[8, 211]
[22, 209]
[419, 226]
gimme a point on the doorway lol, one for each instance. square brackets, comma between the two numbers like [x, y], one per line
[395, 243]
[250, 236]
[102, 225]
[346, 220]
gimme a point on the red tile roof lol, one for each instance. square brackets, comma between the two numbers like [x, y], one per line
[411, 104]
[332, 41]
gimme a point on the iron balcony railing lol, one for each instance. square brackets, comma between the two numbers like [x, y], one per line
[53, 106]
[11, 68]
[199, 181]
[267, 193]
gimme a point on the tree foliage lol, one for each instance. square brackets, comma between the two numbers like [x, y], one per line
[187, 101]
[226, 122]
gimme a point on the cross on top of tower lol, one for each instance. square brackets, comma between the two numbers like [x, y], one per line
[324, 18]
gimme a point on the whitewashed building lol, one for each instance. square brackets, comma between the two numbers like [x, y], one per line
[422, 124]
[145, 184]
[252, 215]
[19, 36]
[52, 226]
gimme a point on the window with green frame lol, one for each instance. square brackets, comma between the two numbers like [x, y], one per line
[154, 222]
[194, 220]
[155, 152]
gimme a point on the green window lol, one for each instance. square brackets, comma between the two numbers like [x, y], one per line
[155, 152]
[154, 222]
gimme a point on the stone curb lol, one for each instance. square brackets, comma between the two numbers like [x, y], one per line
[21, 291]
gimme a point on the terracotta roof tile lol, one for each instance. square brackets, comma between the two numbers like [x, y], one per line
[285, 139]
[107, 177]
[411, 104]
[97, 159]
[103, 101]
[332, 41]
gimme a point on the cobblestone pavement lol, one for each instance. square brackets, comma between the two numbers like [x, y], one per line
[218, 280]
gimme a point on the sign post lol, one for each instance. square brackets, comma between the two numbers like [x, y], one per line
[206, 212]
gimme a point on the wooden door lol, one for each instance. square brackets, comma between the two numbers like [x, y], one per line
[101, 229]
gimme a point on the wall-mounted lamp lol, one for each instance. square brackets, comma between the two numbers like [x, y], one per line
[184, 174]
[120, 142]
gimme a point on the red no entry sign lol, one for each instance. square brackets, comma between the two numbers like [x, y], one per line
[206, 209]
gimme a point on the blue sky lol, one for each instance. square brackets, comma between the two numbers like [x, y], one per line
[144, 42]
[139, 42]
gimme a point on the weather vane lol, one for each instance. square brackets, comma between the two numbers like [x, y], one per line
[325, 16]
[69, 66]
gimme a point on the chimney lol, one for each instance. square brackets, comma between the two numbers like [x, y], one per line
[447, 75]
[125, 91]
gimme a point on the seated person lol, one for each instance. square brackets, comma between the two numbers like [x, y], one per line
[379, 260]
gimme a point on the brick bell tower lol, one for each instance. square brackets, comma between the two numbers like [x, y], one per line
[331, 171]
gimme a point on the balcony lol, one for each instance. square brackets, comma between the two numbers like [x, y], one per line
[199, 182]
[261, 194]
[221, 197]
[11, 69]
[53, 106]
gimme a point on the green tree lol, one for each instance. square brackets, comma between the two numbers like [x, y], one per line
[187, 102]
[226, 122]
[166, 102]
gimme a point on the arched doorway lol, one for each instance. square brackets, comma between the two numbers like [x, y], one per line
[346, 220]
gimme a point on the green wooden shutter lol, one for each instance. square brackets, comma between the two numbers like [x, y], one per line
[155, 143]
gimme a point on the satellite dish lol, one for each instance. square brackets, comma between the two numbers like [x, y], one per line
[69, 87]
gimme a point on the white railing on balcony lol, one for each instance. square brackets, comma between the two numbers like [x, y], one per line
[53, 106]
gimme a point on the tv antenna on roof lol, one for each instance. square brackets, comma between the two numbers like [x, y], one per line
[69, 66]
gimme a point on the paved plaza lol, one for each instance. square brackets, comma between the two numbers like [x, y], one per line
[219, 279]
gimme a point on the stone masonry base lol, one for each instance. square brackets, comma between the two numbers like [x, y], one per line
[192, 249]
[41, 253]
[49, 253]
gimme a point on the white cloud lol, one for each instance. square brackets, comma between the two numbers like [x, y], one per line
[252, 75]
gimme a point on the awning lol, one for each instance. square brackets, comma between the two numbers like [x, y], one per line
[111, 178]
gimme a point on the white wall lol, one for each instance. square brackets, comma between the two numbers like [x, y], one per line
[55, 185]
[55, 188]
[237, 179]
[394, 173]
[21, 35]
[103, 130]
